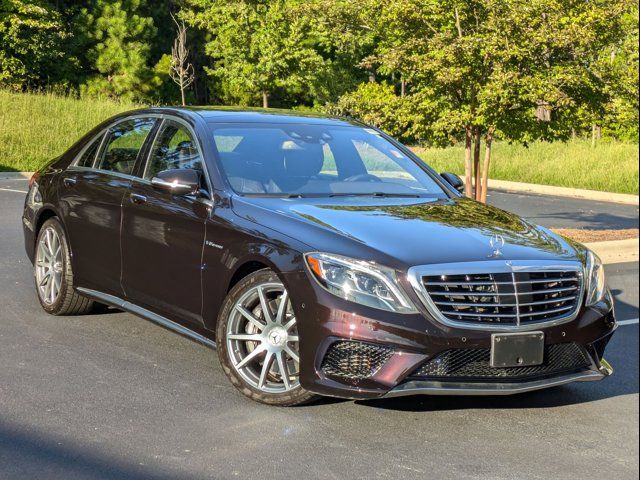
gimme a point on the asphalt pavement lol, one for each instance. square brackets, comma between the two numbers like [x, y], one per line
[565, 212]
[111, 396]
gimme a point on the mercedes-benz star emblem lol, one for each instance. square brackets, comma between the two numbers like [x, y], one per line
[496, 243]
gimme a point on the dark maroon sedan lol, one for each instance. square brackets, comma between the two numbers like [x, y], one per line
[318, 254]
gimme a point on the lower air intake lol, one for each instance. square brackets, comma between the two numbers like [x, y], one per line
[354, 360]
[474, 363]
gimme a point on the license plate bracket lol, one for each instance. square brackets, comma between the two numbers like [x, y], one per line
[517, 349]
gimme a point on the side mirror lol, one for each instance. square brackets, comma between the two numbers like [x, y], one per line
[454, 180]
[177, 181]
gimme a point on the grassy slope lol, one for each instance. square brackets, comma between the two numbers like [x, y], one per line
[610, 166]
[35, 128]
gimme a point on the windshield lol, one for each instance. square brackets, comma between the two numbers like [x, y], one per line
[317, 160]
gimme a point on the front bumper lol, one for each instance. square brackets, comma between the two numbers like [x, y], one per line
[421, 387]
[415, 339]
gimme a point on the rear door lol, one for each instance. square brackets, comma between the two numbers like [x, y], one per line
[163, 234]
[91, 195]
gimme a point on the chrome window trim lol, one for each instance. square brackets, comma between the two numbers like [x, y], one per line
[86, 147]
[192, 132]
[416, 273]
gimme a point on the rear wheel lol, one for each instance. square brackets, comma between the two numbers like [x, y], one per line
[53, 274]
[257, 338]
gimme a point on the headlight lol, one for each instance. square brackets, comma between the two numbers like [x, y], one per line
[359, 281]
[596, 285]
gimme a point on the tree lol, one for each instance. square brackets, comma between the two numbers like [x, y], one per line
[181, 70]
[484, 68]
[257, 47]
[32, 36]
[121, 50]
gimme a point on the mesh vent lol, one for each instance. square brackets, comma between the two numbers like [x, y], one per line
[354, 360]
[475, 363]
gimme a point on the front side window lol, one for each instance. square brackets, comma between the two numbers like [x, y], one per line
[317, 160]
[122, 145]
[173, 148]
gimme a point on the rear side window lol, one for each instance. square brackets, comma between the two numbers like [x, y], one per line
[89, 155]
[174, 148]
[122, 145]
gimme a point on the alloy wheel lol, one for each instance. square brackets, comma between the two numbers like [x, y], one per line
[49, 266]
[262, 339]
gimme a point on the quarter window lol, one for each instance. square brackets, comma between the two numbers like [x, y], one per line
[174, 148]
[123, 143]
[89, 155]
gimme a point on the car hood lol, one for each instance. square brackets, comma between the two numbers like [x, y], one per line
[412, 231]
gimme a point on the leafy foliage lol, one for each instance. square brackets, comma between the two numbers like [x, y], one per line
[31, 43]
[258, 47]
[121, 50]
[433, 72]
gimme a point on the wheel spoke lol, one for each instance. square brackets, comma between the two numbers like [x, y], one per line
[293, 338]
[282, 307]
[52, 289]
[265, 305]
[249, 316]
[290, 324]
[292, 354]
[266, 366]
[284, 372]
[47, 240]
[245, 337]
[54, 245]
[258, 350]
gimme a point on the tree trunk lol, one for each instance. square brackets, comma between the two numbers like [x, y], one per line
[468, 182]
[403, 88]
[487, 161]
[476, 164]
[596, 133]
[182, 95]
[265, 100]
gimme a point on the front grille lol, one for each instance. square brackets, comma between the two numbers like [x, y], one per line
[474, 363]
[354, 360]
[507, 298]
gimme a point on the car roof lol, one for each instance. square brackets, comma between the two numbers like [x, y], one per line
[254, 115]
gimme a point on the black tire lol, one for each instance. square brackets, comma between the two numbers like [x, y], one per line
[68, 301]
[298, 395]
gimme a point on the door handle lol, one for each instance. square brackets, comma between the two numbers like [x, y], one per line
[138, 199]
[69, 182]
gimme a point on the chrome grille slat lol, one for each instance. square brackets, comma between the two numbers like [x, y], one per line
[476, 304]
[481, 315]
[501, 295]
[468, 283]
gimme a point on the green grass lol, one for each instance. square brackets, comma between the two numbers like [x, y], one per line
[610, 166]
[37, 127]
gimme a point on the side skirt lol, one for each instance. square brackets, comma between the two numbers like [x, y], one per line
[147, 315]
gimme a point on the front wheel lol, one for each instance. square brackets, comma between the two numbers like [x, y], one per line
[257, 338]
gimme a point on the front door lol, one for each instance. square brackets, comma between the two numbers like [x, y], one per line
[163, 234]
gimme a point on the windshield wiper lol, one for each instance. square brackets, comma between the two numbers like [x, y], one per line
[376, 194]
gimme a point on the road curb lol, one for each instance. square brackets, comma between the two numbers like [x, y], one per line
[517, 187]
[616, 251]
[15, 175]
